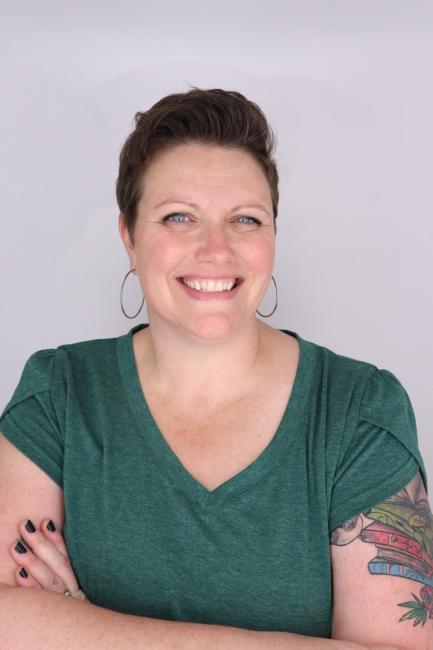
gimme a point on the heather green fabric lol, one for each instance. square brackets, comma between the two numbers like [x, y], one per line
[146, 538]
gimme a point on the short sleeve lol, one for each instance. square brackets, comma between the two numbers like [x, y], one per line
[380, 455]
[29, 420]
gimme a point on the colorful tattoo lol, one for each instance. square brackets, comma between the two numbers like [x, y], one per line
[402, 531]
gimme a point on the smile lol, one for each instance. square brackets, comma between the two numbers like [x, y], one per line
[210, 285]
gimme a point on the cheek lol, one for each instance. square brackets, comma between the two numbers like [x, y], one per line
[261, 255]
[158, 257]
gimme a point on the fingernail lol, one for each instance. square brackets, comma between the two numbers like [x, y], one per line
[20, 548]
[29, 526]
[24, 543]
[51, 526]
[23, 573]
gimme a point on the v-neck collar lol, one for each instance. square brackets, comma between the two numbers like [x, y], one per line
[167, 459]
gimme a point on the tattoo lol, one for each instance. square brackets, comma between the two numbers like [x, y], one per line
[401, 528]
[347, 532]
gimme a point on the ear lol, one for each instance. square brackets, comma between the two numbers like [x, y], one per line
[129, 246]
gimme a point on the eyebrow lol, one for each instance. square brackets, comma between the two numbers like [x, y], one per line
[194, 205]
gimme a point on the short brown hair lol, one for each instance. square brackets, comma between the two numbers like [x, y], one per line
[222, 117]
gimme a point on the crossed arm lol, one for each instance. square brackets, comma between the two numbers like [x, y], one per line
[39, 616]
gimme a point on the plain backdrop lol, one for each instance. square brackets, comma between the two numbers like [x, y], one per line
[348, 89]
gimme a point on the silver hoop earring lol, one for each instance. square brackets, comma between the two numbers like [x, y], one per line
[121, 297]
[276, 300]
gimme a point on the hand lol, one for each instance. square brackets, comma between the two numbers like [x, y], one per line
[43, 561]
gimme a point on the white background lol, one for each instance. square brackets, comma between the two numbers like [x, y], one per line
[346, 85]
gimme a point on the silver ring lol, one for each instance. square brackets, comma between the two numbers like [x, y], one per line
[79, 595]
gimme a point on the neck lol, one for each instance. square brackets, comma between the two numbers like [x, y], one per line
[190, 368]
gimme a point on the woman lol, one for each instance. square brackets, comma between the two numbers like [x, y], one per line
[199, 463]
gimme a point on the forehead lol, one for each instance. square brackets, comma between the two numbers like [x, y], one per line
[203, 167]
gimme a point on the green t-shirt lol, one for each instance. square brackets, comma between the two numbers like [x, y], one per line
[146, 538]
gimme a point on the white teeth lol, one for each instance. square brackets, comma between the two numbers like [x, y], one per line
[210, 285]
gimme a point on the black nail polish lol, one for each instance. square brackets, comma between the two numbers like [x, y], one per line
[29, 526]
[24, 543]
[23, 573]
[51, 526]
[20, 548]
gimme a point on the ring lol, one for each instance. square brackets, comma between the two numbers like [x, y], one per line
[79, 595]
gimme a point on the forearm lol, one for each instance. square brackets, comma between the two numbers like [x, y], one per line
[31, 619]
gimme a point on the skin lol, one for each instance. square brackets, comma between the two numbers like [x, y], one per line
[217, 346]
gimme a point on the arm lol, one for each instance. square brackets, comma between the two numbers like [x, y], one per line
[382, 564]
[45, 619]
[38, 617]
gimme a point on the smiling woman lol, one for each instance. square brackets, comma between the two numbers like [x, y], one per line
[225, 483]
[211, 237]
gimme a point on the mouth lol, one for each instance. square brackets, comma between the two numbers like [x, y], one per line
[211, 285]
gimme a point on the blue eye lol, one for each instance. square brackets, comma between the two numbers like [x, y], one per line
[180, 217]
[251, 219]
[174, 214]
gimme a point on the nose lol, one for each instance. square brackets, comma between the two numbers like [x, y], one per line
[214, 242]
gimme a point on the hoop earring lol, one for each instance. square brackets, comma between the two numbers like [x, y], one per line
[121, 298]
[276, 300]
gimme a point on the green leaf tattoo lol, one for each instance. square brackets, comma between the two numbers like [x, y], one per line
[420, 608]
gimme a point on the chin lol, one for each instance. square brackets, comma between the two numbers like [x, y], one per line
[211, 327]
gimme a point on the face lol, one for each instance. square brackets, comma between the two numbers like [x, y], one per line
[205, 214]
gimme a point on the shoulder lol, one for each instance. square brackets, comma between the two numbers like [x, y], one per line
[89, 346]
[377, 395]
[48, 366]
[87, 355]
[364, 404]
[341, 366]
[338, 380]
[379, 390]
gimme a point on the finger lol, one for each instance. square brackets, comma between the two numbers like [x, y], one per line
[24, 579]
[39, 571]
[54, 536]
[46, 552]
